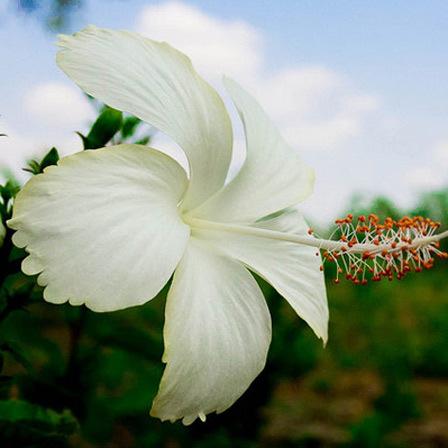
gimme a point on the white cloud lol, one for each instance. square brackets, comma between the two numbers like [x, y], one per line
[19, 147]
[433, 174]
[215, 46]
[424, 178]
[58, 105]
[314, 106]
[441, 154]
[54, 111]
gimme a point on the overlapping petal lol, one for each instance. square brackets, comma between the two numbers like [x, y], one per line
[217, 333]
[273, 176]
[292, 269]
[102, 228]
[158, 84]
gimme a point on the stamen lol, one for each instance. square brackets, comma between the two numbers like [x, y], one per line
[367, 249]
[375, 250]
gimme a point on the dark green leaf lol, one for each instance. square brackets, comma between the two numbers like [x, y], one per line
[5, 385]
[130, 124]
[33, 167]
[9, 190]
[16, 353]
[85, 140]
[26, 424]
[103, 130]
[51, 158]
[144, 140]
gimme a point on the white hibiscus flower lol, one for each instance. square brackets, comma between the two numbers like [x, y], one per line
[108, 228]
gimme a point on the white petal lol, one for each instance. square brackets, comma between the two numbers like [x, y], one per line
[273, 176]
[102, 228]
[158, 84]
[292, 269]
[217, 333]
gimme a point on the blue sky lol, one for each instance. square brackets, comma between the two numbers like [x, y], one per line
[359, 87]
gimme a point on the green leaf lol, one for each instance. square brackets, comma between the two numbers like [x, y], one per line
[26, 424]
[144, 140]
[33, 167]
[51, 158]
[16, 353]
[130, 124]
[9, 190]
[5, 385]
[103, 130]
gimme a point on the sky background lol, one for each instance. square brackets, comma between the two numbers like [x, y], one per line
[359, 88]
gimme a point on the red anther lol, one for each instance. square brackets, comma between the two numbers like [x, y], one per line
[321, 268]
[336, 280]
[310, 231]
[364, 282]
[365, 255]
[393, 245]
[344, 249]
[362, 218]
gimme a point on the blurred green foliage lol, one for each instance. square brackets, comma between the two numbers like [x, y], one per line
[55, 14]
[73, 378]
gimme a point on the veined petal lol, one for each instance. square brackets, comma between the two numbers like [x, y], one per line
[273, 176]
[217, 333]
[158, 84]
[292, 269]
[102, 228]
